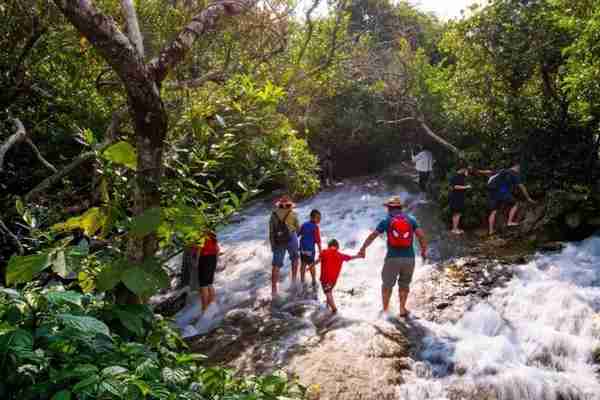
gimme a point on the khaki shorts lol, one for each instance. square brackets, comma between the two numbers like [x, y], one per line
[397, 269]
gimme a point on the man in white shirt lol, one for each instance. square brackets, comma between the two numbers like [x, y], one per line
[424, 165]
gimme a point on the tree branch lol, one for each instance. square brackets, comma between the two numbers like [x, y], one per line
[21, 136]
[103, 32]
[15, 239]
[203, 22]
[109, 139]
[133, 27]
[309, 31]
[427, 130]
[39, 156]
[213, 76]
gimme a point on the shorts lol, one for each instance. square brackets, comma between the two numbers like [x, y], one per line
[291, 248]
[457, 205]
[207, 265]
[327, 286]
[307, 256]
[399, 269]
[495, 202]
[423, 180]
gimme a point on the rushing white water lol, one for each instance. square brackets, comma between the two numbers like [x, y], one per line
[531, 339]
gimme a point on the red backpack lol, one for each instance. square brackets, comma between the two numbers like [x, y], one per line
[400, 232]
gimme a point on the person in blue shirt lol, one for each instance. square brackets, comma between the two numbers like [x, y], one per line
[399, 262]
[310, 235]
[501, 186]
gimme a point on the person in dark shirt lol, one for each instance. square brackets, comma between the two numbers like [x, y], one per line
[458, 188]
[501, 186]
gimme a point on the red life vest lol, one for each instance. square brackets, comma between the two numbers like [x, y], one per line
[400, 232]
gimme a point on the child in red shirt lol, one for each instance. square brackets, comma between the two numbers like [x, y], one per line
[207, 264]
[331, 264]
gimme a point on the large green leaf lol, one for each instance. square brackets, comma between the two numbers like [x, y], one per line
[145, 280]
[131, 321]
[122, 153]
[109, 276]
[90, 221]
[18, 342]
[85, 324]
[67, 297]
[22, 269]
[62, 395]
[146, 223]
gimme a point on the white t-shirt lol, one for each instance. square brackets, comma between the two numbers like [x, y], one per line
[424, 161]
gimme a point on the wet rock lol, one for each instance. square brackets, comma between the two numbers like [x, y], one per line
[382, 347]
[246, 320]
[552, 246]
[442, 306]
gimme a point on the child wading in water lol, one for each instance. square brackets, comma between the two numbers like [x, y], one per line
[331, 264]
[310, 235]
[207, 265]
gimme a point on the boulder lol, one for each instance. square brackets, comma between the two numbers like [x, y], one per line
[248, 321]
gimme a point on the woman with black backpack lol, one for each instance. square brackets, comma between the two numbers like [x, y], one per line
[283, 235]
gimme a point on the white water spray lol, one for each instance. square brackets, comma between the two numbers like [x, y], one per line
[531, 339]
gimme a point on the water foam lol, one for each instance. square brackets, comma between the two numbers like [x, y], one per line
[531, 339]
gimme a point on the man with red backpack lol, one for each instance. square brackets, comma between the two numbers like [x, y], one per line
[401, 229]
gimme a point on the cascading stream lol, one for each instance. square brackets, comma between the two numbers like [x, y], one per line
[533, 338]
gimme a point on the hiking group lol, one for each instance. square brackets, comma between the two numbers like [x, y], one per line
[500, 185]
[301, 244]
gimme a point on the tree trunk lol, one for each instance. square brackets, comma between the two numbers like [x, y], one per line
[125, 55]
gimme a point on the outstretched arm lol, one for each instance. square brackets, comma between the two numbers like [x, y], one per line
[367, 243]
[526, 193]
[422, 242]
[462, 187]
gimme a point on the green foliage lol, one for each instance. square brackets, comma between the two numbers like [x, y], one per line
[122, 153]
[65, 345]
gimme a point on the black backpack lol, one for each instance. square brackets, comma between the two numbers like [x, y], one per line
[281, 232]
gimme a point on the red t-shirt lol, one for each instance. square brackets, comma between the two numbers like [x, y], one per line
[210, 247]
[331, 264]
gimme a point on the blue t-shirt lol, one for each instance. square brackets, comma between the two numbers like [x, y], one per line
[309, 236]
[392, 252]
[506, 185]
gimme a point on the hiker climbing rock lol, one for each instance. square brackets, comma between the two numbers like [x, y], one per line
[500, 190]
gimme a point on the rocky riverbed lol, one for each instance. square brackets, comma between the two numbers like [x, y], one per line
[456, 298]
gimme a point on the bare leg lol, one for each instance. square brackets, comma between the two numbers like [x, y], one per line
[456, 223]
[302, 272]
[512, 214]
[492, 222]
[274, 280]
[403, 292]
[204, 298]
[294, 271]
[212, 295]
[331, 302]
[313, 274]
[386, 294]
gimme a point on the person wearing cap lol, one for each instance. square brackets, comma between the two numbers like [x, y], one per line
[283, 240]
[399, 262]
